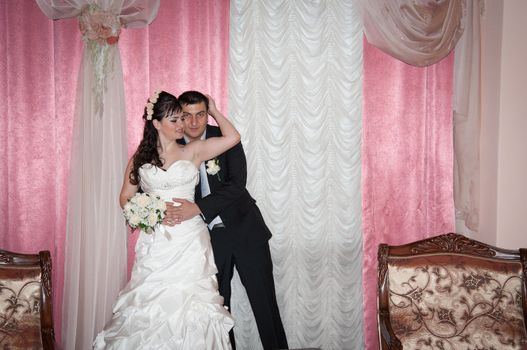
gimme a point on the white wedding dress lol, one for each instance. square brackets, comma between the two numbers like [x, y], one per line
[172, 299]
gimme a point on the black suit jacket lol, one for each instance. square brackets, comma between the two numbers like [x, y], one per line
[230, 199]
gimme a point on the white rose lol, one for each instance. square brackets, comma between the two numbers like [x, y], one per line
[152, 219]
[134, 220]
[127, 207]
[213, 167]
[161, 205]
[143, 200]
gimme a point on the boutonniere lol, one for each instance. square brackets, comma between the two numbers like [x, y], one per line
[213, 167]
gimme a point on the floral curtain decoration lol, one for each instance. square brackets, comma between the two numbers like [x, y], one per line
[95, 256]
[100, 29]
[417, 32]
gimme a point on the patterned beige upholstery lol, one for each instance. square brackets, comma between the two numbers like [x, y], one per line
[25, 301]
[449, 292]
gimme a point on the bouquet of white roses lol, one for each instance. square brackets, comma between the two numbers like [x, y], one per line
[144, 211]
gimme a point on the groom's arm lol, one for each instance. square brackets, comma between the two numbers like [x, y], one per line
[231, 189]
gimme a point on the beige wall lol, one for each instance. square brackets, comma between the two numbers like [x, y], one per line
[512, 149]
[491, 31]
[504, 124]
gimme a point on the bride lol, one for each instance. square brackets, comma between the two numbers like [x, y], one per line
[172, 299]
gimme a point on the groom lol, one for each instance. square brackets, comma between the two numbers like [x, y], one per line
[238, 232]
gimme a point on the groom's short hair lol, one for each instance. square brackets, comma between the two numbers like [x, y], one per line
[192, 97]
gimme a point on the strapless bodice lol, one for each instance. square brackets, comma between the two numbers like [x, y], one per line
[178, 181]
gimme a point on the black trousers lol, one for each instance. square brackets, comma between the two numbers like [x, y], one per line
[255, 268]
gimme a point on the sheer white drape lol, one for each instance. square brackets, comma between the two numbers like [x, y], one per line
[418, 32]
[467, 119]
[295, 95]
[96, 237]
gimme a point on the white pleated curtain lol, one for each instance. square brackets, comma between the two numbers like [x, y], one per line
[295, 95]
[96, 237]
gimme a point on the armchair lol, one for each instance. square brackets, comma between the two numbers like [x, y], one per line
[451, 292]
[25, 301]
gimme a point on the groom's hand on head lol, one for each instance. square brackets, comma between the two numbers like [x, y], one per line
[184, 209]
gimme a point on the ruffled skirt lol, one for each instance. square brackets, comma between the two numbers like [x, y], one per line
[172, 299]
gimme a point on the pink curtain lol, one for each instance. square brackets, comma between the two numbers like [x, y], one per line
[407, 160]
[186, 47]
[407, 127]
[40, 63]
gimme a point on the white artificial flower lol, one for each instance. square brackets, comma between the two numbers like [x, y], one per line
[134, 220]
[143, 200]
[144, 211]
[127, 207]
[213, 166]
[152, 219]
[161, 205]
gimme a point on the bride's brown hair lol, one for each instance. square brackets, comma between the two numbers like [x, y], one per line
[166, 105]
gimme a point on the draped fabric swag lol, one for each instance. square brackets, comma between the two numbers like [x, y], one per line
[419, 33]
[95, 248]
[407, 160]
[295, 95]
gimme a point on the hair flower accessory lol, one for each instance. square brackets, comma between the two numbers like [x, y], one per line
[150, 104]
